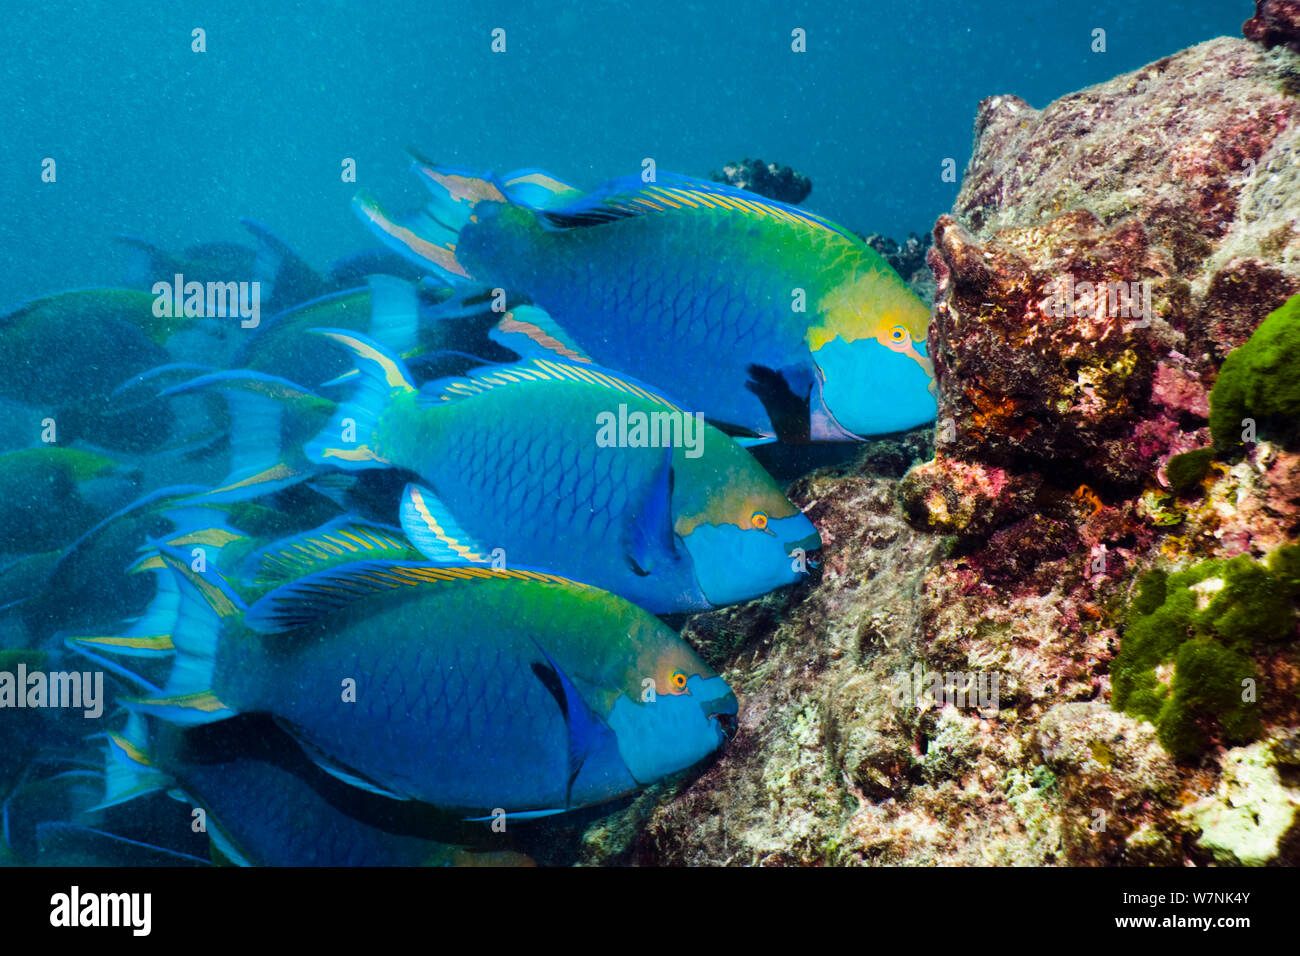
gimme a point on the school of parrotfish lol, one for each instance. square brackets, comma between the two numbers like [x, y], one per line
[369, 563]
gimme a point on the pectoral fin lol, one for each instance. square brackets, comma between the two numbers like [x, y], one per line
[786, 395]
[650, 541]
[586, 728]
[434, 530]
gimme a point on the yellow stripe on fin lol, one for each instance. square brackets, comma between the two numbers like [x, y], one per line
[392, 374]
[442, 256]
[132, 752]
[204, 701]
[140, 642]
[464, 188]
[274, 473]
[212, 537]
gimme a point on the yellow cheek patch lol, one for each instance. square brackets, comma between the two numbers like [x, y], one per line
[736, 507]
[870, 305]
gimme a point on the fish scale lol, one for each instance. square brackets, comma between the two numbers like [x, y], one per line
[458, 710]
[275, 808]
[523, 470]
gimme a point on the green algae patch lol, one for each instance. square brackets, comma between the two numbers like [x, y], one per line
[1257, 384]
[1186, 661]
[1187, 471]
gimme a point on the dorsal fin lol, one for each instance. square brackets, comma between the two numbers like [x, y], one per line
[480, 380]
[300, 603]
[629, 197]
[532, 333]
[344, 540]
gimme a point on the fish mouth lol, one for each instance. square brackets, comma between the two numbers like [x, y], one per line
[822, 425]
[722, 711]
[728, 724]
[807, 544]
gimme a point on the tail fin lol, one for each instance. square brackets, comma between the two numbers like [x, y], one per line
[206, 602]
[147, 262]
[394, 313]
[286, 278]
[129, 771]
[146, 640]
[429, 236]
[202, 534]
[269, 416]
[348, 441]
[422, 238]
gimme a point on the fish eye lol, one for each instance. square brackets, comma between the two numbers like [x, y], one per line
[898, 333]
[758, 520]
[678, 680]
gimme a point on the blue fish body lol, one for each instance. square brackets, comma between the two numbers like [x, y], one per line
[476, 691]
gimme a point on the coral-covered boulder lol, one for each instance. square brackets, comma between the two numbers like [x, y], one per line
[1044, 345]
[1276, 22]
[767, 179]
[1107, 251]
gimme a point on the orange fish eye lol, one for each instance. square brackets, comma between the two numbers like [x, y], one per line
[758, 520]
[898, 333]
[678, 680]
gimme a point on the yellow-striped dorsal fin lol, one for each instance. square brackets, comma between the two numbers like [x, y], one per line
[321, 595]
[503, 376]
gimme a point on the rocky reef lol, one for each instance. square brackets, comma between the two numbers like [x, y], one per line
[1069, 633]
[767, 179]
[1276, 22]
[908, 259]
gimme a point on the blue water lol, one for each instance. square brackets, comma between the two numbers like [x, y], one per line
[154, 140]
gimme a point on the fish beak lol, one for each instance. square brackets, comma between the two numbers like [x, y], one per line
[806, 544]
[722, 711]
[822, 425]
[727, 725]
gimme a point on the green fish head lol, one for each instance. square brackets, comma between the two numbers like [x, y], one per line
[744, 536]
[870, 347]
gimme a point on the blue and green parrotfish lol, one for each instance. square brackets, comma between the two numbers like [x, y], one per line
[574, 469]
[470, 689]
[768, 319]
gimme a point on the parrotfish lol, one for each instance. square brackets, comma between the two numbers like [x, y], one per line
[66, 354]
[266, 804]
[471, 689]
[769, 319]
[574, 469]
[40, 501]
[283, 277]
[411, 320]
